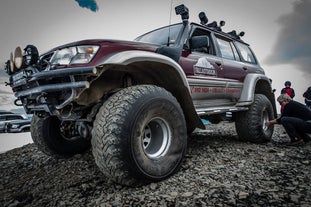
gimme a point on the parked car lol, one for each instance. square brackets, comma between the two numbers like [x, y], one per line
[14, 122]
[18, 126]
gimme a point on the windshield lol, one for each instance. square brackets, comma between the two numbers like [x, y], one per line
[160, 36]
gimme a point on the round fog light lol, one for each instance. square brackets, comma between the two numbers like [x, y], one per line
[18, 58]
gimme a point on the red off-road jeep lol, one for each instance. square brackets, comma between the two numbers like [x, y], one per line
[135, 102]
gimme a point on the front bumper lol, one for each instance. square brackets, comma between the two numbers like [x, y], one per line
[50, 91]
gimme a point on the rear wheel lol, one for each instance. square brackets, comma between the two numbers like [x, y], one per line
[250, 125]
[50, 136]
[139, 135]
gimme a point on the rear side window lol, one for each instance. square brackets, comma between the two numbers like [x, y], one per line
[246, 53]
[236, 54]
[225, 49]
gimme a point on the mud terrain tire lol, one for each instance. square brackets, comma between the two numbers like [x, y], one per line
[139, 135]
[250, 125]
[46, 135]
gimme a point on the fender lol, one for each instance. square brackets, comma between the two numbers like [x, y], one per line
[256, 83]
[166, 71]
[133, 56]
[248, 91]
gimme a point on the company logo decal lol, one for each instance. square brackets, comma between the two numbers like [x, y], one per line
[204, 67]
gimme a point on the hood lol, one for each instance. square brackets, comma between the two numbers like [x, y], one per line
[109, 43]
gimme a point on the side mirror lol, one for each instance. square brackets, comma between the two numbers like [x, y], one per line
[198, 42]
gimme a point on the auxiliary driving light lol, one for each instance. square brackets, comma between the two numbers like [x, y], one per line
[12, 69]
[203, 18]
[241, 34]
[212, 24]
[18, 58]
[233, 33]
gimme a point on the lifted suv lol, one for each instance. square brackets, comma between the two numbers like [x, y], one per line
[135, 102]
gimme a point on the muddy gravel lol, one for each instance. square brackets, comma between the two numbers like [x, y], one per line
[218, 170]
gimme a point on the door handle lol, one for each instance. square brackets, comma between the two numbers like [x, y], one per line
[245, 68]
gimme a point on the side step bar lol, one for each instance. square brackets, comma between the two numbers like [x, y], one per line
[219, 110]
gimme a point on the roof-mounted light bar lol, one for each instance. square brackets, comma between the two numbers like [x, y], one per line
[203, 18]
[213, 25]
[218, 27]
[234, 34]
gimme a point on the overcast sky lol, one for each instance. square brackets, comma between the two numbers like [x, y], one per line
[277, 30]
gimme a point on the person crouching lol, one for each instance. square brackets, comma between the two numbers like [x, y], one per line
[295, 118]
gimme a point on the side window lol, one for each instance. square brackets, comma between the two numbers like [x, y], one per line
[225, 49]
[246, 53]
[236, 54]
[200, 32]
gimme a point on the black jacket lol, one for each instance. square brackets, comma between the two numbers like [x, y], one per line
[296, 109]
[307, 95]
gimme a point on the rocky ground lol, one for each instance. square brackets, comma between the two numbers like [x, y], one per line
[218, 171]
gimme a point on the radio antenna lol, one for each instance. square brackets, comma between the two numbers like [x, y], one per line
[169, 24]
[170, 21]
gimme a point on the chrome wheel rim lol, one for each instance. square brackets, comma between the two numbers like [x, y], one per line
[265, 119]
[156, 138]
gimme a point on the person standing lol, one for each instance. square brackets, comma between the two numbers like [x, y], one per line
[288, 90]
[307, 96]
[295, 118]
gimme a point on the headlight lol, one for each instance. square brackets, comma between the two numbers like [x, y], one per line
[14, 126]
[74, 55]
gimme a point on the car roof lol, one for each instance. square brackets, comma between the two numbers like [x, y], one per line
[218, 32]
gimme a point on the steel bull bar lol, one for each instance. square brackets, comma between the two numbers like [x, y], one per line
[40, 90]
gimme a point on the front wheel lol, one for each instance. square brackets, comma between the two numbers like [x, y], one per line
[48, 134]
[250, 125]
[139, 135]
